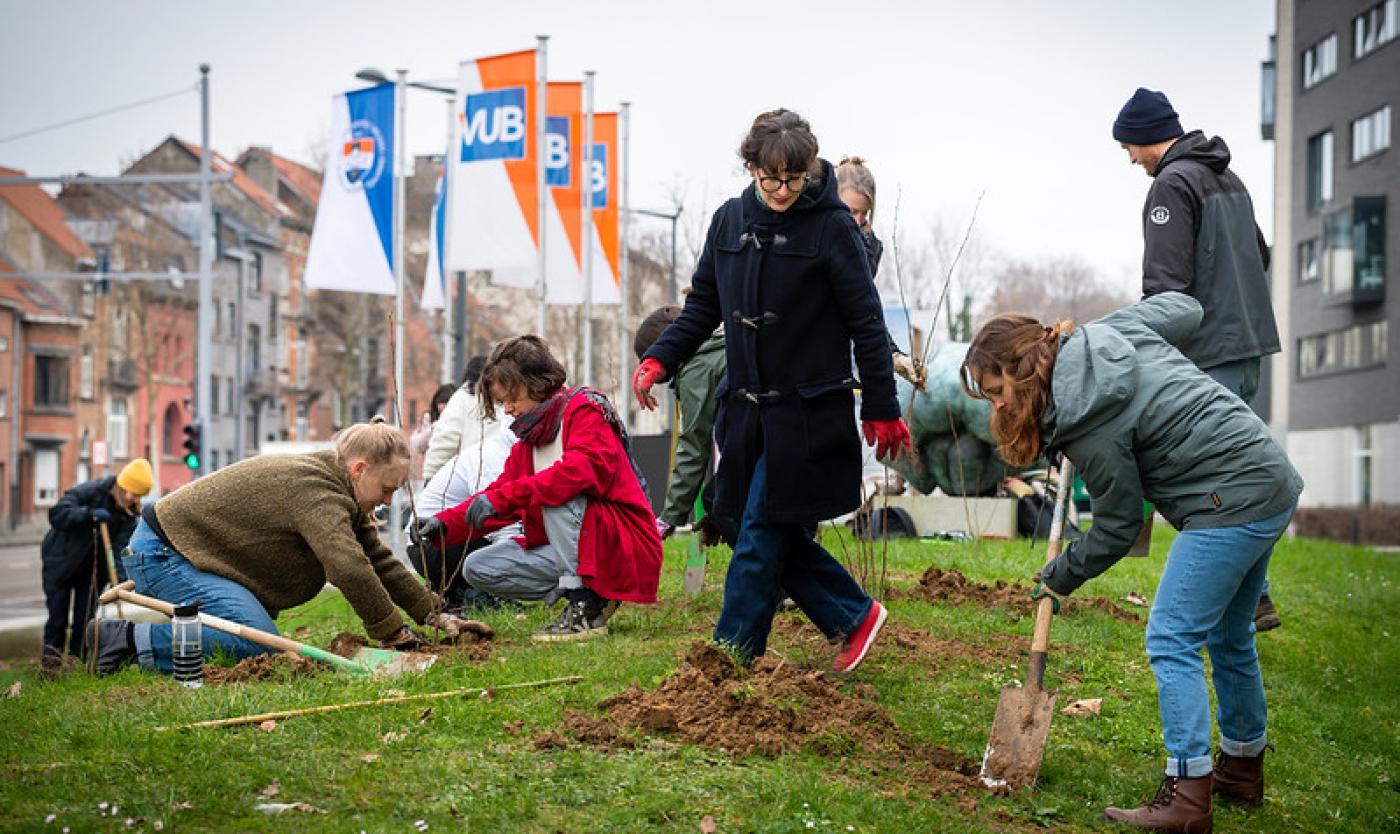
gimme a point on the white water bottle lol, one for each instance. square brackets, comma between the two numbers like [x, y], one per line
[186, 646]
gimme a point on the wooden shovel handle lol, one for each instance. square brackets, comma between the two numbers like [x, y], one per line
[1040, 640]
[107, 546]
[262, 638]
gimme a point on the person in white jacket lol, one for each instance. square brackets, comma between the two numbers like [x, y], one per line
[465, 454]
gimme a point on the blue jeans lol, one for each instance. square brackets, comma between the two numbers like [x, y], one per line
[1206, 598]
[771, 559]
[1241, 378]
[162, 572]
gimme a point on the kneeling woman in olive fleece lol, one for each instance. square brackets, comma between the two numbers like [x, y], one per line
[267, 534]
[1140, 421]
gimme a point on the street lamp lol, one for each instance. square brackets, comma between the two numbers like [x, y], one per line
[374, 76]
[673, 217]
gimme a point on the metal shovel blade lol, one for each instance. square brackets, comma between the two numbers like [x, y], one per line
[1019, 731]
[384, 662]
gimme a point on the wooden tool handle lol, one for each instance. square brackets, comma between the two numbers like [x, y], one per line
[107, 546]
[262, 638]
[1040, 640]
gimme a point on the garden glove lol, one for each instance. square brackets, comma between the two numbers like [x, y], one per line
[454, 626]
[404, 640]
[1041, 591]
[431, 529]
[479, 510]
[648, 373]
[664, 528]
[100, 516]
[889, 437]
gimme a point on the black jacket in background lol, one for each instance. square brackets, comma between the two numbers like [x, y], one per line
[794, 292]
[1200, 238]
[73, 540]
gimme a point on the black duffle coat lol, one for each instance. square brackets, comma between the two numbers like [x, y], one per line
[795, 294]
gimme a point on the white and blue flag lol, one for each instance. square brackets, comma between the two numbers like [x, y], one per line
[434, 279]
[352, 243]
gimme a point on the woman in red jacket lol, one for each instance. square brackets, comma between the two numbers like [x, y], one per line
[590, 535]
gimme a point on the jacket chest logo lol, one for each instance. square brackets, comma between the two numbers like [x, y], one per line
[1160, 215]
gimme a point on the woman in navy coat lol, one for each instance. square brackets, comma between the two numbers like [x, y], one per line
[784, 269]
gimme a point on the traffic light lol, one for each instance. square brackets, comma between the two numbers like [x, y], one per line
[192, 443]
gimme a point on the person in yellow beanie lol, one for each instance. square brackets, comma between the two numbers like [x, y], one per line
[72, 551]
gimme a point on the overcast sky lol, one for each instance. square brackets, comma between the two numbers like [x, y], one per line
[944, 99]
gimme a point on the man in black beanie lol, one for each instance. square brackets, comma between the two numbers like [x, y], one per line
[1200, 238]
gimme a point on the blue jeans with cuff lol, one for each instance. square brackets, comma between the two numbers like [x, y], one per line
[1206, 598]
[162, 572]
[771, 559]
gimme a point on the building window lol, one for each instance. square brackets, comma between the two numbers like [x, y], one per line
[1319, 61]
[172, 436]
[1319, 171]
[51, 381]
[254, 354]
[1368, 244]
[117, 422]
[1338, 260]
[255, 273]
[46, 462]
[1352, 348]
[85, 374]
[4, 404]
[213, 460]
[87, 300]
[1309, 261]
[232, 404]
[1375, 27]
[1363, 465]
[119, 333]
[1370, 134]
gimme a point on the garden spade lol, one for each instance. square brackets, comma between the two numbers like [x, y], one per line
[1022, 722]
[696, 556]
[366, 661]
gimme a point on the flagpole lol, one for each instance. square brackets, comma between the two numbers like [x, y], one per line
[447, 329]
[399, 386]
[587, 207]
[541, 172]
[624, 402]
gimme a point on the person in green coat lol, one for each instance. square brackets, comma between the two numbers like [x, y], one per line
[1140, 421]
[694, 383]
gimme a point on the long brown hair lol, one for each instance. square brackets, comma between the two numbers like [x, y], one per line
[1022, 351]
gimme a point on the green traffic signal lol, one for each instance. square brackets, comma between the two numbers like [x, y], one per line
[192, 461]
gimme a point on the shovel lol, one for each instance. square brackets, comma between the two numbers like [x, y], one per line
[696, 556]
[366, 661]
[1022, 722]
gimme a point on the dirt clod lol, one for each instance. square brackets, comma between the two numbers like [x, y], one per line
[261, 668]
[770, 709]
[950, 586]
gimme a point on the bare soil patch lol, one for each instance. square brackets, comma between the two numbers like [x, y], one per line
[263, 667]
[949, 586]
[770, 709]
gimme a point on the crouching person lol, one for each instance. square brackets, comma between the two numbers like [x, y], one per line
[590, 536]
[267, 534]
[1140, 421]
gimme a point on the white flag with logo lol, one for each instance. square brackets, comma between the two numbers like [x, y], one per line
[352, 242]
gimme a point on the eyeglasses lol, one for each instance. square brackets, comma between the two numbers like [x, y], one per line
[794, 184]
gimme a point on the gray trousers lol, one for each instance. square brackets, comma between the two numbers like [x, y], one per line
[507, 570]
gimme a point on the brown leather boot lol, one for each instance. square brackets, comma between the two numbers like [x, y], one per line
[1181, 805]
[1265, 615]
[1239, 780]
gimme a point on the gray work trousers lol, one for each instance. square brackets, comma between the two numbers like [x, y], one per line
[507, 570]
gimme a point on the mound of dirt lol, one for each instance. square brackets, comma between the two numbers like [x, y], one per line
[939, 585]
[261, 668]
[470, 646]
[909, 644]
[770, 709]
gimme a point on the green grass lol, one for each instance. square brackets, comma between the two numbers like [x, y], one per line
[1331, 674]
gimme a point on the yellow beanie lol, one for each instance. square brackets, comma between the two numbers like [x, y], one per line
[136, 477]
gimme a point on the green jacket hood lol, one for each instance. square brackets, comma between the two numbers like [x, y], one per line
[1095, 377]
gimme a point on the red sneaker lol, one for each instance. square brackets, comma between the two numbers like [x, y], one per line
[858, 644]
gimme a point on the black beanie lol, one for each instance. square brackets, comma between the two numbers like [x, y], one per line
[1147, 118]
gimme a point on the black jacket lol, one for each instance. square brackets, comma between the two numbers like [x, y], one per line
[794, 292]
[1200, 238]
[73, 540]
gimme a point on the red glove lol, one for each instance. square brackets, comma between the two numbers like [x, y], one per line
[647, 374]
[889, 437]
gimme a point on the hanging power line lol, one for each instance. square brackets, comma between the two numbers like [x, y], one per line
[142, 103]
